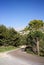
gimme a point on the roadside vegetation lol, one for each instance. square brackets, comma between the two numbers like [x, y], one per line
[7, 48]
[32, 36]
[35, 37]
[9, 38]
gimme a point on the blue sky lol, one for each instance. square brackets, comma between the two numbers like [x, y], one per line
[18, 13]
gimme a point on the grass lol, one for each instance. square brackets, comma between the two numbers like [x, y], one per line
[6, 48]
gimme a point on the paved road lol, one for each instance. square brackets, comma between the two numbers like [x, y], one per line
[19, 57]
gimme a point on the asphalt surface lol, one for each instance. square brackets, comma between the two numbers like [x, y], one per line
[19, 57]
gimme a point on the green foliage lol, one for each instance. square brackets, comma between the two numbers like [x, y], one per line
[32, 41]
[42, 46]
[26, 28]
[35, 38]
[23, 40]
[30, 38]
[9, 36]
[36, 24]
[7, 48]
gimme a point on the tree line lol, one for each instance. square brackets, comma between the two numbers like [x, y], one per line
[33, 37]
[9, 36]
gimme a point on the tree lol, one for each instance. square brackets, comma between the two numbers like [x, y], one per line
[33, 40]
[9, 36]
[14, 37]
[34, 26]
[3, 34]
[38, 36]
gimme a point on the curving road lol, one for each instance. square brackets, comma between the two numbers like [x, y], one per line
[19, 57]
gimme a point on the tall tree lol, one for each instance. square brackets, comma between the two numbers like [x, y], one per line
[35, 25]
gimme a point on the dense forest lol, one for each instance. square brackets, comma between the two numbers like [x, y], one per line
[32, 36]
[8, 36]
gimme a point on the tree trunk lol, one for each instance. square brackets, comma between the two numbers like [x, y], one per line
[37, 46]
